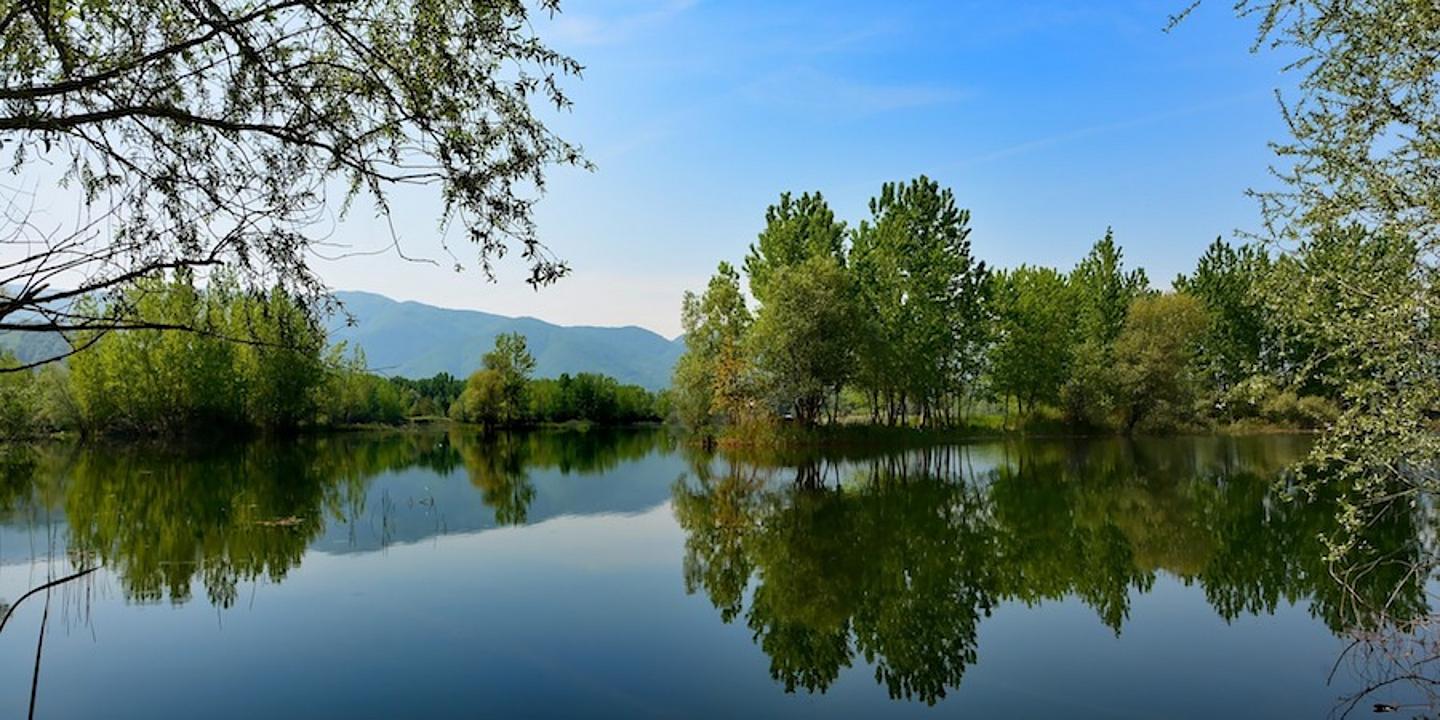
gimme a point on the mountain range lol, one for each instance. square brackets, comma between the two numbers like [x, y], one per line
[415, 340]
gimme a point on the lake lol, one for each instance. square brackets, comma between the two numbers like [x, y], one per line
[625, 574]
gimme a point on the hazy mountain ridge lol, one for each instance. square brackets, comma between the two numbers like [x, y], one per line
[413, 339]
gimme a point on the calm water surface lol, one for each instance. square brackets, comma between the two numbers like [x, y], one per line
[618, 574]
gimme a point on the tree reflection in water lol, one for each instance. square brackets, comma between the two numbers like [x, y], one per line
[893, 559]
[896, 559]
[162, 517]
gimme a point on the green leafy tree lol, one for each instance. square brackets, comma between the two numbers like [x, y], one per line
[1230, 283]
[925, 298]
[157, 381]
[282, 366]
[512, 362]
[352, 394]
[1363, 152]
[484, 399]
[795, 231]
[1103, 290]
[205, 134]
[1154, 371]
[712, 378]
[495, 394]
[1361, 302]
[1035, 333]
[18, 400]
[804, 336]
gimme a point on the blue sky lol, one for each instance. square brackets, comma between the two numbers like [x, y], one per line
[1050, 120]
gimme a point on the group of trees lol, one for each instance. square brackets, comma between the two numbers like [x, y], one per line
[887, 309]
[243, 361]
[502, 393]
[247, 361]
[898, 320]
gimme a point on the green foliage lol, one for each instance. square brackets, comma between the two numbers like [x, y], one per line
[1229, 282]
[483, 401]
[795, 231]
[1154, 371]
[282, 365]
[512, 362]
[712, 377]
[924, 300]
[18, 399]
[591, 397]
[502, 394]
[430, 396]
[205, 133]
[1361, 303]
[155, 380]
[905, 323]
[495, 394]
[1102, 290]
[1034, 335]
[1360, 208]
[245, 361]
[353, 395]
[803, 338]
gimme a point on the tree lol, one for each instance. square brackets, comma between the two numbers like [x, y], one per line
[1103, 290]
[483, 400]
[1154, 373]
[925, 298]
[1360, 302]
[1363, 160]
[1035, 333]
[495, 394]
[712, 378]
[1230, 282]
[282, 368]
[155, 381]
[210, 134]
[795, 231]
[512, 360]
[803, 338]
[18, 400]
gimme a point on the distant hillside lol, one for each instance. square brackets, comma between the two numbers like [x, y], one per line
[417, 340]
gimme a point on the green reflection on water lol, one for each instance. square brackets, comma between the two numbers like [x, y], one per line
[893, 558]
[896, 558]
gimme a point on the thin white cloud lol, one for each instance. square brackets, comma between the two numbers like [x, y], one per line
[1062, 138]
[808, 88]
[615, 24]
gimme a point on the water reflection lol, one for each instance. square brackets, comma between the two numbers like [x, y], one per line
[890, 560]
[897, 559]
[163, 517]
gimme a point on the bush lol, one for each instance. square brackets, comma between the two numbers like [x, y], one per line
[17, 399]
[1315, 412]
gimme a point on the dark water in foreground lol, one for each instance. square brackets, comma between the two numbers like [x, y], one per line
[616, 574]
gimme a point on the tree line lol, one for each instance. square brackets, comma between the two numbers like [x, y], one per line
[502, 393]
[218, 357]
[895, 321]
